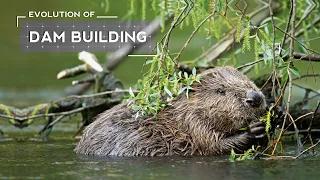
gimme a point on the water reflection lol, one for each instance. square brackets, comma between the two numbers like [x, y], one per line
[55, 158]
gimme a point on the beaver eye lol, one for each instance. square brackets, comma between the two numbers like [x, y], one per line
[221, 91]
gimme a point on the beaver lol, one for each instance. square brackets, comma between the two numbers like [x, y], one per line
[221, 113]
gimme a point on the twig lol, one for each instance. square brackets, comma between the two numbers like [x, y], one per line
[175, 23]
[304, 100]
[250, 64]
[307, 75]
[301, 131]
[278, 157]
[215, 51]
[313, 116]
[66, 112]
[50, 125]
[293, 26]
[55, 121]
[287, 29]
[301, 31]
[300, 56]
[293, 7]
[316, 92]
[300, 117]
[311, 147]
[316, 52]
[299, 144]
[49, 114]
[284, 40]
[166, 38]
[192, 35]
[274, 74]
[267, 81]
[287, 108]
[100, 94]
[314, 5]
[296, 130]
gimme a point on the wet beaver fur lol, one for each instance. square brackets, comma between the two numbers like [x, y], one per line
[209, 122]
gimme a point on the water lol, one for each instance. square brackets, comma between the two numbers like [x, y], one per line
[29, 78]
[32, 158]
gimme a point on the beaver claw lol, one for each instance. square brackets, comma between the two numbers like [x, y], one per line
[253, 136]
[257, 130]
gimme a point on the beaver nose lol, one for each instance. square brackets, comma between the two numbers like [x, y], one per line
[254, 98]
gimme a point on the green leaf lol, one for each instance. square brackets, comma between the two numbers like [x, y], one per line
[232, 156]
[184, 82]
[286, 53]
[185, 75]
[194, 71]
[283, 66]
[131, 92]
[220, 4]
[295, 71]
[284, 77]
[167, 91]
[181, 90]
[149, 61]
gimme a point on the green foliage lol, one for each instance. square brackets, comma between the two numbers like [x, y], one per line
[107, 6]
[217, 29]
[160, 85]
[247, 155]
[285, 68]
[256, 47]
[246, 41]
[144, 9]
[132, 6]
[265, 37]
[6, 111]
[163, 14]
[267, 120]
[239, 29]
[194, 18]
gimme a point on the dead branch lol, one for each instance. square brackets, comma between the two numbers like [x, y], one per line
[24, 114]
[114, 59]
[301, 56]
[307, 75]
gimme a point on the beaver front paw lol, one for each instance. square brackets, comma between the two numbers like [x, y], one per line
[254, 135]
[256, 130]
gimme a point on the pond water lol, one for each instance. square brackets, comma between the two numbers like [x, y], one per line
[29, 78]
[31, 158]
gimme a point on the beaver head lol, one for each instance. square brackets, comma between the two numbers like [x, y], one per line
[224, 101]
